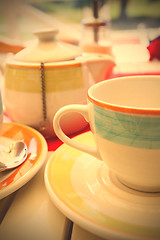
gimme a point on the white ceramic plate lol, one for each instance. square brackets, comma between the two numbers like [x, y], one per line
[11, 180]
[84, 189]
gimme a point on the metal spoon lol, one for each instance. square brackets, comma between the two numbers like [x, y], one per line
[13, 155]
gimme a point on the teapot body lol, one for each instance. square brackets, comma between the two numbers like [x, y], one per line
[47, 75]
[33, 94]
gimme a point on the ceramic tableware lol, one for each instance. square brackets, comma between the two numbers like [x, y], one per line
[88, 193]
[13, 179]
[124, 115]
[47, 75]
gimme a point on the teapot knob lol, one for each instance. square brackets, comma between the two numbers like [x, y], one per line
[46, 34]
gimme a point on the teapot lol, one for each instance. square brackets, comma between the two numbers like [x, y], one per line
[47, 75]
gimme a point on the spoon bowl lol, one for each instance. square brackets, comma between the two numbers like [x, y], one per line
[13, 155]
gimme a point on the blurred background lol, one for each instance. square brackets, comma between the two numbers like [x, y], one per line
[19, 18]
[130, 26]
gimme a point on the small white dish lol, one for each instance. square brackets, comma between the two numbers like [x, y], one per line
[84, 189]
[13, 179]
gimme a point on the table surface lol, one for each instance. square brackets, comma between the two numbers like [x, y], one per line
[29, 213]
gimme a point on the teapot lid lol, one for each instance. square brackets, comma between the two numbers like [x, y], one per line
[47, 49]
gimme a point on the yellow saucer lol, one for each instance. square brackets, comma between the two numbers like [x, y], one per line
[84, 189]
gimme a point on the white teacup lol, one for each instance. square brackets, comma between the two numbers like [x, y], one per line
[124, 116]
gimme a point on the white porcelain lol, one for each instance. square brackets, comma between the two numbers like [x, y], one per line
[88, 193]
[47, 75]
[124, 115]
[47, 48]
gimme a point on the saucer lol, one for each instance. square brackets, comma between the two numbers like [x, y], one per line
[11, 180]
[85, 190]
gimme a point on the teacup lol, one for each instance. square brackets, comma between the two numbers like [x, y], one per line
[124, 116]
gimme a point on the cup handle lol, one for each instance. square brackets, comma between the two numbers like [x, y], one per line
[83, 110]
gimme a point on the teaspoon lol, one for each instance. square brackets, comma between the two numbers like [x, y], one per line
[13, 155]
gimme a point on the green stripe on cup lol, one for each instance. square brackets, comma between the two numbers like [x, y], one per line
[56, 79]
[140, 131]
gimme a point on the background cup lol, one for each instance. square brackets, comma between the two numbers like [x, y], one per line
[124, 116]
